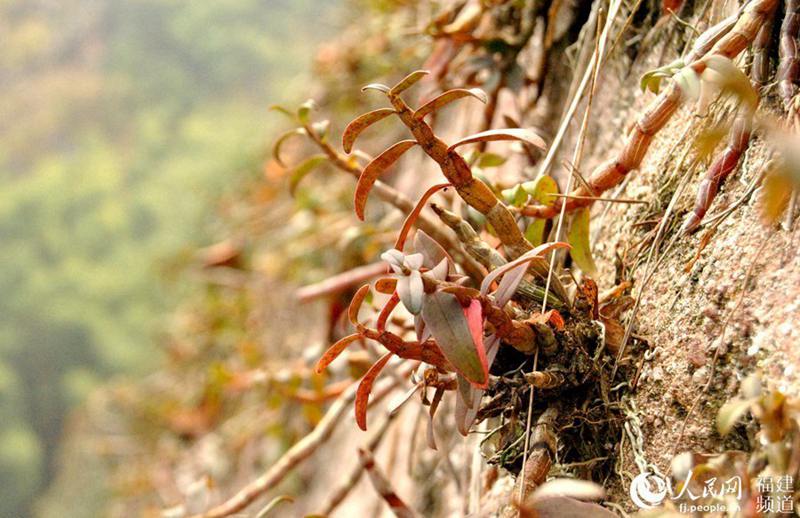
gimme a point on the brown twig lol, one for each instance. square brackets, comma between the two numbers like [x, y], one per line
[340, 493]
[301, 451]
[340, 282]
[384, 487]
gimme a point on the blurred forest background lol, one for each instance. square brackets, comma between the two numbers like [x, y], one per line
[122, 124]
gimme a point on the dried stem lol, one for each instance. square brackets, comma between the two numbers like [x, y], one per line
[340, 493]
[384, 487]
[341, 281]
[301, 450]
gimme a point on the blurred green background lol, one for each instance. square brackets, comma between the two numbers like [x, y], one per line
[121, 124]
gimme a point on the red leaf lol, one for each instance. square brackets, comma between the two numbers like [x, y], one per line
[474, 314]
[335, 350]
[355, 304]
[532, 256]
[408, 81]
[448, 97]
[386, 311]
[444, 316]
[374, 169]
[365, 387]
[359, 124]
[386, 285]
[414, 214]
[521, 134]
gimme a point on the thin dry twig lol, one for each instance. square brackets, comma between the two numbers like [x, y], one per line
[384, 487]
[341, 282]
[340, 493]
[301, 450]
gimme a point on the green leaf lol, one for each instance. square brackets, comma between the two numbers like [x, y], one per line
[305, 167]
[578, 238]
[515, 196]
[540, 191]
[490, 160]
[445, 318]
[273, 504]
[280, 109]
[731, 412]
[276, 148]
[304, 111]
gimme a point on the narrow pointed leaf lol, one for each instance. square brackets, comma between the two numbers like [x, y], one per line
[446, 98]
[396, 404]
[376, 86]
[302, 170]
[334, 351]
[408, 81]
[540, 191]
[509, 283]
[364, 389]
[359, 124]
[386, 312]
[285, 111]
[437, 398]
[578, 239]
[468, 398]
[275, 502]
[445, 317]
[374, 169]
[532, 256]
[520, 134]
[355, 304]
[276, 148]
[414, 214]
